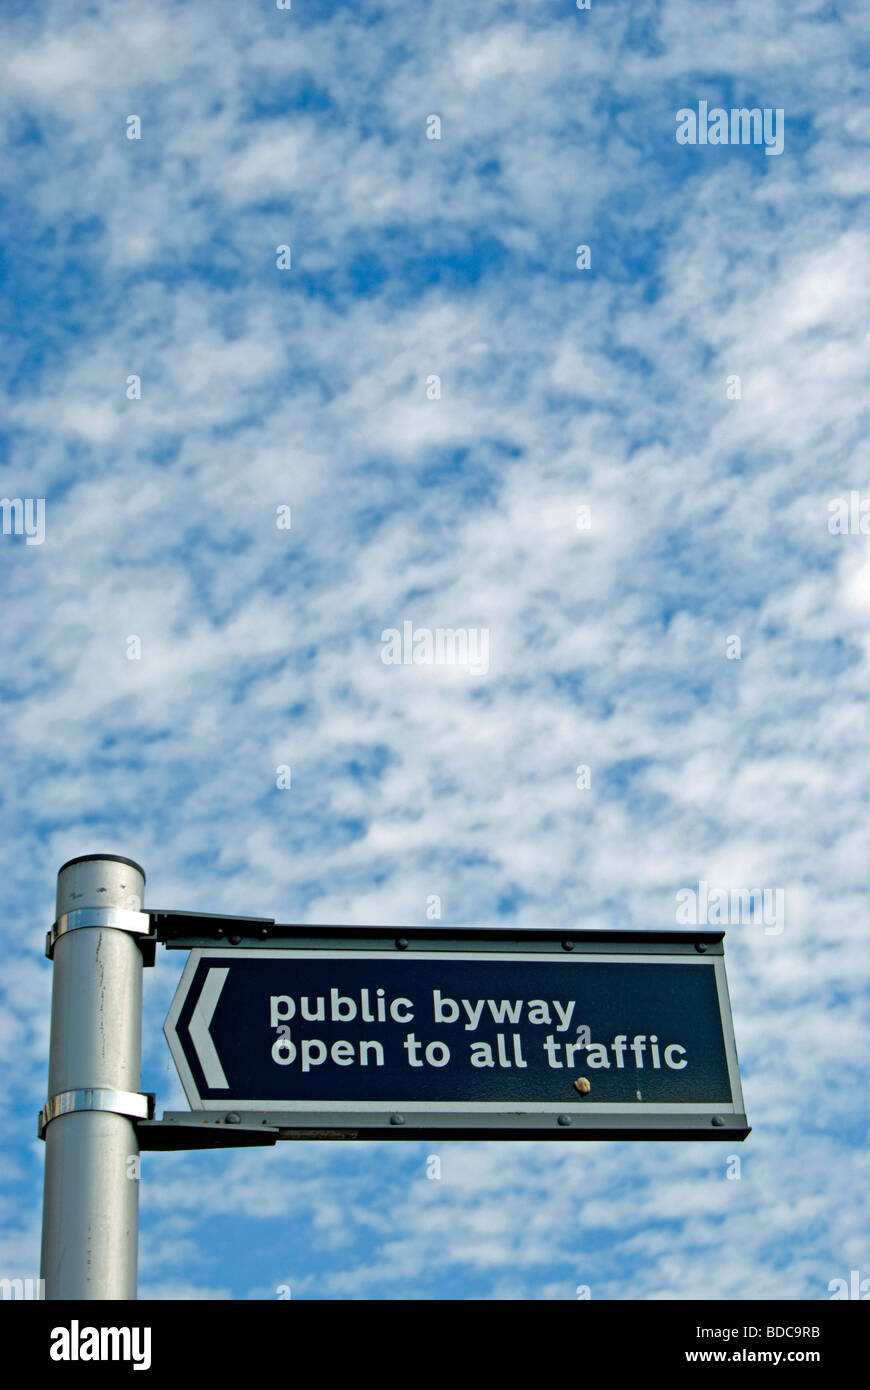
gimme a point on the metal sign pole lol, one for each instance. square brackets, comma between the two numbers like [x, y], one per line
[91, 1185]
[659, 1046]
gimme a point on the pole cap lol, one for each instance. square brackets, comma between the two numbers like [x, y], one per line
[93, 858]
[100, 880]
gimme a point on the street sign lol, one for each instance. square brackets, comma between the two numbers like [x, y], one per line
[461, 1040]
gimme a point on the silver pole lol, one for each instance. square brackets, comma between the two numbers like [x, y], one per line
[90, 1212]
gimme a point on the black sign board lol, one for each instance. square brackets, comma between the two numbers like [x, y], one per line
[457, 1042]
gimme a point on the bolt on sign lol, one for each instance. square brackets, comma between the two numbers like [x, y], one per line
[611, 1035]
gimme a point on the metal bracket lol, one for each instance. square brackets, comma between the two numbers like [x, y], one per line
[189, 931]
[181, 929]
[198, 1129]
[181, 1129]
[121, 918]
[129, 1103]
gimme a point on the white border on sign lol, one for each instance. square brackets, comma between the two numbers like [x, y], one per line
[509, 1108]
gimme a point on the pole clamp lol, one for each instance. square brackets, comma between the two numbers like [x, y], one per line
[122, 918]
[130, 1103]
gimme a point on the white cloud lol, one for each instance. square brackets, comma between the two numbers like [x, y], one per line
[262, 646]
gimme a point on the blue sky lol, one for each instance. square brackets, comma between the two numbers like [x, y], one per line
[560, 388]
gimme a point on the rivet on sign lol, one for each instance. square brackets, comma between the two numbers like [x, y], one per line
[700, 947]
[582, 1085]
[234, 940]
[397, 1119]
[564, 1119]
[718, 1122]
[567, 945]
[234, 1119]
[402, 943]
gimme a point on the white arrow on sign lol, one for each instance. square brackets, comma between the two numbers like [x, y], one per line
[200, 1023]
[199, 1031]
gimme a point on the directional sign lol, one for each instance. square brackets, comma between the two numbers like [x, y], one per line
[520, 1043]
